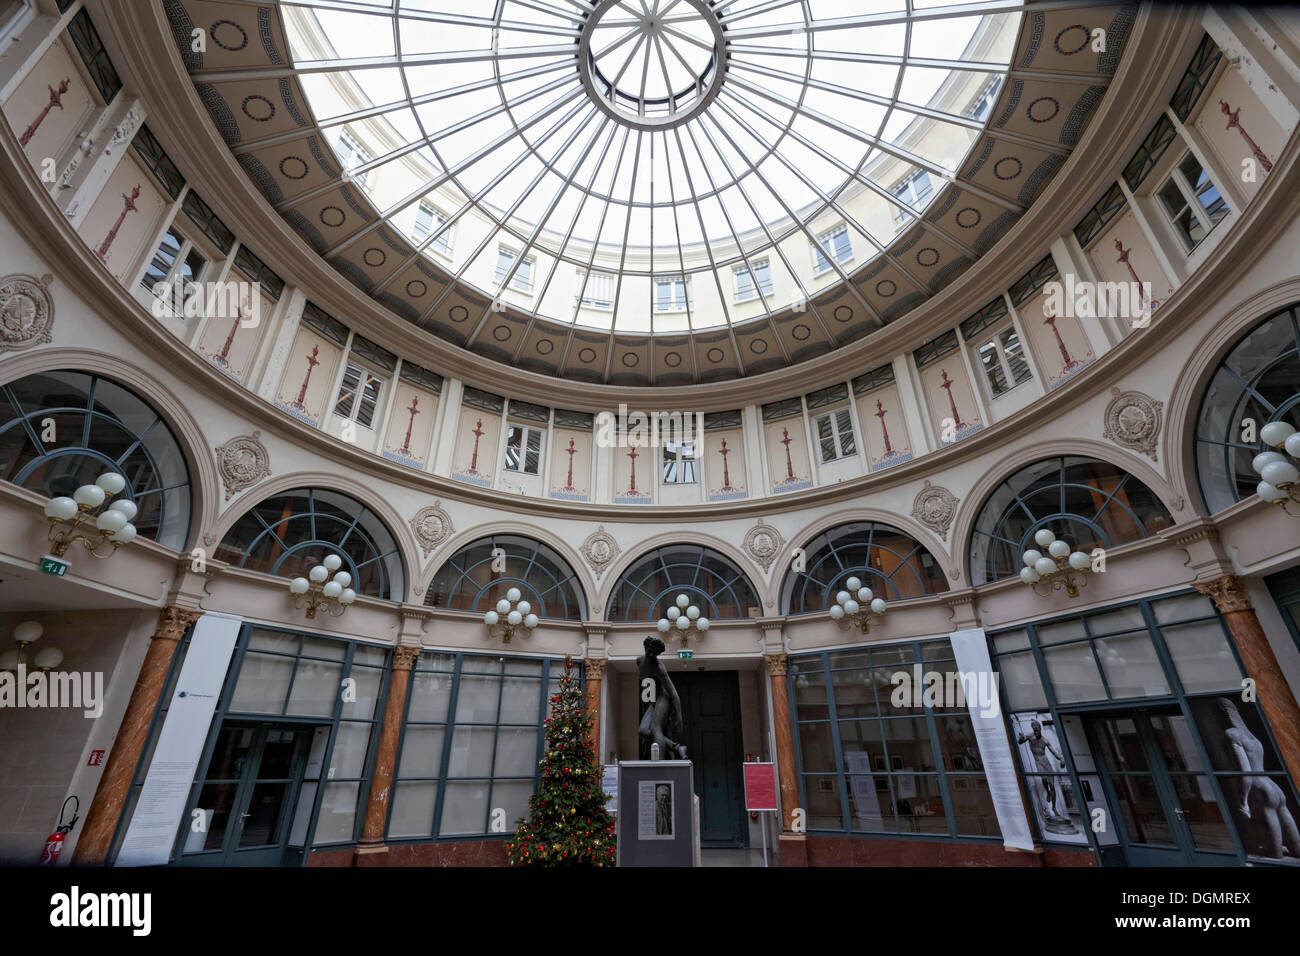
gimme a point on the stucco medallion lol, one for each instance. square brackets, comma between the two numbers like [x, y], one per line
[1133, 421]
[26, 311]
[935, 507]
[432, 526]
[762, 543]
[599, 550]
[242, 462]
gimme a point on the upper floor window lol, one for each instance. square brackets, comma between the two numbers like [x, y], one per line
[673, 294]
[749, 284]
[176, 261]
[523, 449]
[522, 279]
[481, 573]
[427, 219]
[1192, 202]
[711, 581]
[351, 155]
[984, 102]
[679, 463]
[914, 190]
[594, 290]
[1001, 355]
[834, 243]
[835, 435]
[359, 395]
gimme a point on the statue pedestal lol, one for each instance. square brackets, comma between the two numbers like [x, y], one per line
[658, 814]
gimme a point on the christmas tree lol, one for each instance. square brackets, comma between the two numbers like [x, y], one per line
[567, 822]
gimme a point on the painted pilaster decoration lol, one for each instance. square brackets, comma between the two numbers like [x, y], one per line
[935, 508]
[1133, 421]
[242, 462]
[432, 526]
[26, 311]
[599, 550]
[763, 543]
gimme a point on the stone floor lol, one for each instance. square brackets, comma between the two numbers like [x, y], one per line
[751, 857]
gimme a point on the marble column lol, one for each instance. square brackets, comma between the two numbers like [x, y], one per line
[390, 732]
[115, 785]
[1272, 691]
[792, 848]
[595, 681]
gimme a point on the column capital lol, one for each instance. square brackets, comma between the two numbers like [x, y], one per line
[405, 656]
[776, 664]
[595, 668]
[1227, 592]
[173, 620]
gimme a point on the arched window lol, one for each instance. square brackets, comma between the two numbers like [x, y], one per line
[467, 581]
[893, 564]
[711, 580]
[1088, 502]
[64, 429]
[1259, 380]
[289, 533]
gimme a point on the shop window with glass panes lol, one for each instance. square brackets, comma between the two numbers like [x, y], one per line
[522, 280]
[523, 449]
[673, 294]
[1191, 201]
[834, 243]
[427, 219]
[594, 290]
[835, 435]
[351, 155]
[359, 393]
[176, 260]
[1001, 355]
[749, 284]
[679, 463]
[914, 190]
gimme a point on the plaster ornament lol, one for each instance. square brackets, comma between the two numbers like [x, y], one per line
[243, 462]
[762, 543]
[935, 508]
[432, 526]
[599, 550]
[26, 311]
[1133, 421]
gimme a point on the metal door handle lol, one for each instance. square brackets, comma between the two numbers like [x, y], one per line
[1181, 813]
[245, 816]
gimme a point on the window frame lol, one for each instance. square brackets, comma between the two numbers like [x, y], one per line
[582, 284]
[367, 374]
[838, 437]
[907, 191]
[687, 464]
[676, 303]
[354, 148]
[1192, 204]
[757, 289]
[525, 430]
[993, 336]
[187, 246]
[504, 269]
[437, 219]
[822, 253]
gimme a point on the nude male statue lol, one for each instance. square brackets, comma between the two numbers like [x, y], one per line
[1039, 746]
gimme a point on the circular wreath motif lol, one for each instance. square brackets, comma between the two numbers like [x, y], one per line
[758, 346]
[587, 356]
[284, 167]
[968, 221]
[374, 257]
[1052, 103]
[458, 313]
[502, 333]
[931, 255]
[997, 168]
[545, 347]
[257, 97]
[229, 47]
[630, 360]
[414, 285]
[842, 313]
[336, 216]
[715, 355]
[801, 332]
[673, 359]
[1087, 35]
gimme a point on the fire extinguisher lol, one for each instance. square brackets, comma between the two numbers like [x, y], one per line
[54, 845]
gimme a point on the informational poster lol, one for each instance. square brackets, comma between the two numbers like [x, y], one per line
[971, 650]
[149, 837]
[609, 784]
[760, 786]
[655, 806]
[862, 784]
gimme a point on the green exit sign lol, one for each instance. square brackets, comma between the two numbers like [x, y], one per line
[685, 655]
[55, 566]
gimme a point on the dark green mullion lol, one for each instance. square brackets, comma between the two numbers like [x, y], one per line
[840, 780]
[447, 737]
[293, 677]
[496, 738]
[327, 757]
[940, 765]
[1092, 645]
[90, 411]
[794, 729]
[401, 742]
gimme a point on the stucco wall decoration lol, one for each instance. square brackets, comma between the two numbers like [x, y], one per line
[26, 311]
[242, 462]
[1133, 420]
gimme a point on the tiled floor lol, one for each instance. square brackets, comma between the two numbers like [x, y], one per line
[750, 857]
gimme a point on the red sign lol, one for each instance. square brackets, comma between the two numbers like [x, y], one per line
[760, 786]
[96, 758]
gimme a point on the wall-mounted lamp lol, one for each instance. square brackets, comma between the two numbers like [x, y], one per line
[316, 592]
[25, 634]
[1061, 568]
[683, 617]
[856, 604]
[1278, 469]
[70, 518]
[512, 614]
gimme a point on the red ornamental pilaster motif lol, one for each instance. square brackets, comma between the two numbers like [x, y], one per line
[724, 451]
[880, 413]
[414, 409]
[312, 362]
[56, 99]
[571, 450]
[223, 357]
[947, 385]
[128, 206]
[633, 456]
[1070, 363]
[789, 464]
[1234, 123]
[477, 433]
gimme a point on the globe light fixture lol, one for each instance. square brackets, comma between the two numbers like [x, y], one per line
[512, 614]
[319, 591]
[683, 617]
[857, 605]
[26, 634]
[71, 519]
[1061, 568]
[1279, 470]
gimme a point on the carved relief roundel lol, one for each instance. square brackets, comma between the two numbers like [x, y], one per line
[1133, 421]
[935, 507]
[242, 462]
[599, 550]
[432, 526]
[26, 311]
[763, 543]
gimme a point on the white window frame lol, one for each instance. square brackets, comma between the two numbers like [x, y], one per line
[682, 304]
[1191, 200]
[524, 431]
[366, 374]
[187, 246]
[993, 336]
[503, 269]
[420, 232]
[354, 149]
[822, 252]
[738, 273]
[838, 434]
[985, 100]
[685, 462]
[906, 190]
[583, 283]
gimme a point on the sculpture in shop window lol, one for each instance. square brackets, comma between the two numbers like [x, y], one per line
[1054, 819]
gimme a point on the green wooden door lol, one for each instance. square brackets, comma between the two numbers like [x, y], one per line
[711, 709]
